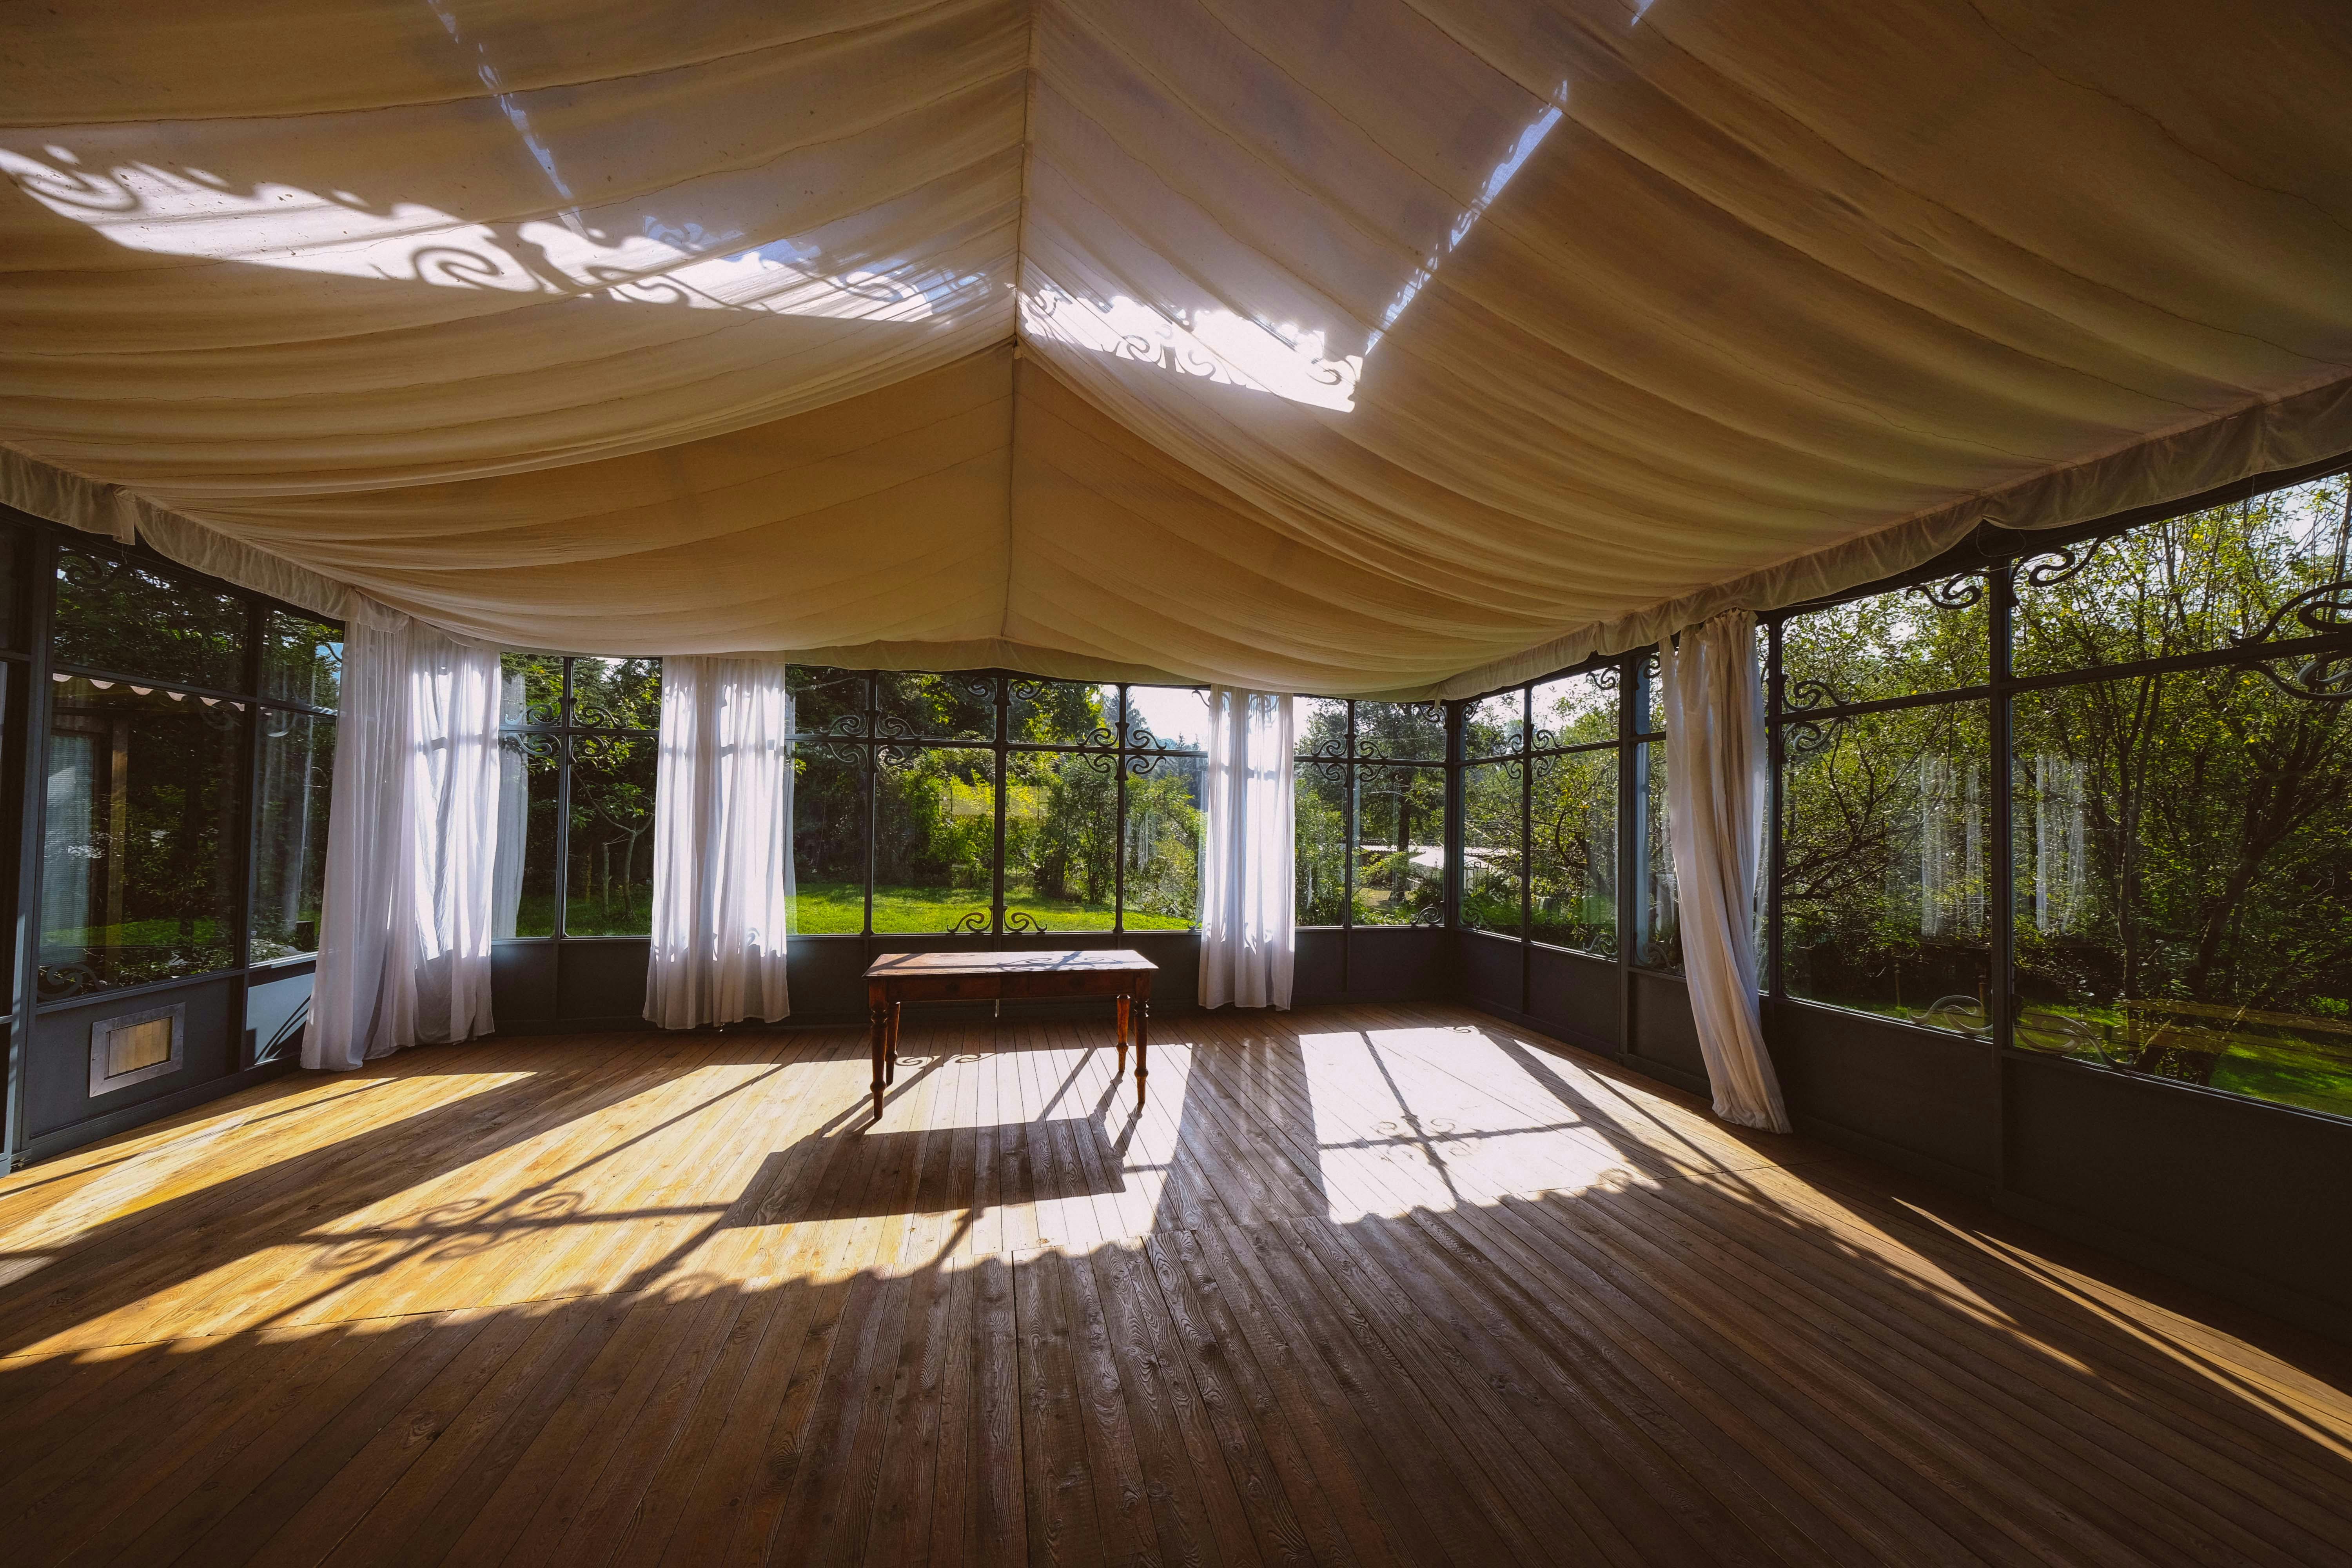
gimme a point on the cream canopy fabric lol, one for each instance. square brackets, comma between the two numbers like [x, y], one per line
[1370, 348]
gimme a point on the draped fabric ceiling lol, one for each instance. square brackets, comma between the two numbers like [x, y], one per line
[1398, 347]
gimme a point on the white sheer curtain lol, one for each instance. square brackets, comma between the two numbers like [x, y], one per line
[404, 940]
[722, 843]
[1715, 823]
[1248, 940]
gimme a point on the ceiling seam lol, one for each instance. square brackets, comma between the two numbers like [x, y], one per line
[1020, 264]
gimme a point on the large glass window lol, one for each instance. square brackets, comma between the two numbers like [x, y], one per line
[142, 874]
[1493, 852]
[129, 617]
[1887, 817]
[578, 778]
[1371, 826]
[934, 839]
[188, 767]
[289, 852]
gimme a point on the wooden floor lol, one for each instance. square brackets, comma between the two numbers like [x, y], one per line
[1364, 1285]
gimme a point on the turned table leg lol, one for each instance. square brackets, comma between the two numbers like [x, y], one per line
[890, 1046]
[877, 1009]
[1142, 1044]
[1125, 1004]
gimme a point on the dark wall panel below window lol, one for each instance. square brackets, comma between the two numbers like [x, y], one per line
[1663, 1035]
[1493, 972]
[1915, 1097]
[1397, 964]
[2224, 1193]
[1576, 993]
[57, 1068]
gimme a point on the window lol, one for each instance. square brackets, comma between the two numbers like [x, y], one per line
[577, 782]
[187, 770]
[2182, 824]
[1886, 811]
[142, 874]
[1369, 784]
[980, 802]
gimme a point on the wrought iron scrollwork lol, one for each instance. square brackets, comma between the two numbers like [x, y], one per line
[848, 724]
[1608, 677]
[1806, 736]
[55, 982]
[1962, 1014]
[835, 751]
[2317, 611]
[2038, 1029]
[1432, 916]
[890, 727]
[2322, 677]
[896, 757]
[1804, 696]
[1953, 592]
[1023, 921]
[971, 923]
[2053, 567]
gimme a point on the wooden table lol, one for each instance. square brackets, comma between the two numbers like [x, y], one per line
[896, 979]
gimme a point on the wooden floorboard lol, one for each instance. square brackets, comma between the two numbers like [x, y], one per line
[1366, 1285]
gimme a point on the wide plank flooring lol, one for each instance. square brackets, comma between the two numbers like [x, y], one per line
[1362, 1285]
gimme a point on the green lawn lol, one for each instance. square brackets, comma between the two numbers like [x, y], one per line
[828, 908]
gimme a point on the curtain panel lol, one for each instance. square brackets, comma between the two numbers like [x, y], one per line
[722, 843]
[1715, 823]
[404, 938]
[1248, 887]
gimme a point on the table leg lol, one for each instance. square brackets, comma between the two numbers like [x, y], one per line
[1125, 1004]
[877, 1009]
[890, 1050]
[1142, 1042]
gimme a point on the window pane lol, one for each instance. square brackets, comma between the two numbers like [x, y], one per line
[534, 690]
[1061, 839]
[1493, 725]
[522, 887]
[1320, 790]
[140, 879]
[301, 660]
[609, 866]
[143, 621]
[1574, 857]
[1062, 713]
[2184, 585]
[1884, 890]
[1170, 716]
[1492, 857]
[1576, 709]
[934, 840]
[2184, 882]
[828, 700]
[1654, 696]
[1405, 730]
[1163, 843]
[1889, 645]
[617, 693]
[1659, 942]
[828, 838]
[1399, 844]
[943, 707]
[1318, 726]
[12, 572]
[289, 851]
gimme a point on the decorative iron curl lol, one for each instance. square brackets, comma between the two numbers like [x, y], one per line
[890, 727]
[841, 752]
[57, 981]
[2322, 677]
[2038, 1029]
[1023, 921]
[2318, 611]
[2053, 567]
[971, 923]
[1433, 915]
[1953, 592]
[1608, 677]
[896, 757]
[1962, 1014]
[853, 724]
[1806, 736]
[1804, 696]
[1137, 735]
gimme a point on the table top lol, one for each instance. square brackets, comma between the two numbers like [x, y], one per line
[1077, 961]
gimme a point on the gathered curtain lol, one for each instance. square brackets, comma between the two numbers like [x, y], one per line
[722, 843]
[413, 834]
[1248, 940]
[1714, 821]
